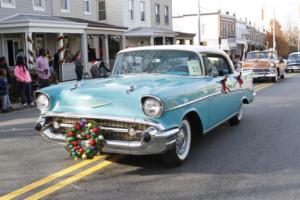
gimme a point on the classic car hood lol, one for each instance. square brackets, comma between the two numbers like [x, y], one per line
[120, 96]
[261, 63]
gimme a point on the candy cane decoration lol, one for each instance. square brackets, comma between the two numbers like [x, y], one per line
[30, 51]
[61, 48]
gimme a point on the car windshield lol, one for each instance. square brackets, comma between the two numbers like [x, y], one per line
[259, 55]
[294, 57]
[173, 62]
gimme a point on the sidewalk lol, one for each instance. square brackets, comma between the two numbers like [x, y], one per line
[17, 107]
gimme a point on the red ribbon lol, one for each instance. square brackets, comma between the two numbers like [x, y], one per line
[224, 85]
[61, 49]
[240, 80]
[60, 38]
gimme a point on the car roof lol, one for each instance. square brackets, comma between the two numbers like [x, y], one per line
[294, 53]
[194, 48]
[268, 50]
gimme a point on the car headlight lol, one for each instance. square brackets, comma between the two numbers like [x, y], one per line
[43, 102]
[152, 107]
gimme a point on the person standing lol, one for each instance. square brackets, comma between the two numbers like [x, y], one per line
[56, 65]
[3, 65]
[21, 53]
[78, 66]
[4, 93]
[24, 80]
[42, 68]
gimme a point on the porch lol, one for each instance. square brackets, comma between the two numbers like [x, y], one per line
[64, 36]
[145, 36]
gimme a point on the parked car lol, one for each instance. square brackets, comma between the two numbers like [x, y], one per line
[154, 101]
[293, 62]
[265, 65]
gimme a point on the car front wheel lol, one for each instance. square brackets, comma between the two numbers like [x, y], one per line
[275, 79]
[179, 153]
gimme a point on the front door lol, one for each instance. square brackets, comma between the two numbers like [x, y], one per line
[13, 46]
[221, 103]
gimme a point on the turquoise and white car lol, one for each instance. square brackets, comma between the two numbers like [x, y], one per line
[155, 100]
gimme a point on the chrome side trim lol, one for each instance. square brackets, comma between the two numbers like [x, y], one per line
[220, 123]
[208, 96]
[104, 117]
[194, 101]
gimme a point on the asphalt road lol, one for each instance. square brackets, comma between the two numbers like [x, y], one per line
[258, 159]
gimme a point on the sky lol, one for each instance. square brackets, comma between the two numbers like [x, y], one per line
[286, 11]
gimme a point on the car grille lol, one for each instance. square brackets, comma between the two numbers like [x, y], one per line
[263, 70]
[108, 134]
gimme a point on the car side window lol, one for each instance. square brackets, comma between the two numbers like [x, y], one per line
[216, 65]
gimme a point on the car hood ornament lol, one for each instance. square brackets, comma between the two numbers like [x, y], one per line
[131, 89]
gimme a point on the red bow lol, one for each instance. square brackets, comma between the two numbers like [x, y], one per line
[224, 85]
[240, 80]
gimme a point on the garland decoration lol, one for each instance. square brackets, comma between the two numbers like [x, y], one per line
[239, 79]
[84, 140]
[225, 88]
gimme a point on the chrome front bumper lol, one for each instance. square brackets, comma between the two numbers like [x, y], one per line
[264, 75]
[159, 141]
[292, 67]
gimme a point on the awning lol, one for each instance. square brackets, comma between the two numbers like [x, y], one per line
[39, 23]
[182, 35]
[149, 32]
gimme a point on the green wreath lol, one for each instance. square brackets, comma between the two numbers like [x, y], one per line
[84, 140]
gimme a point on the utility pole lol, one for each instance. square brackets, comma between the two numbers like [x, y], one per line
[199, 25]
[274, 41]
[299, 29]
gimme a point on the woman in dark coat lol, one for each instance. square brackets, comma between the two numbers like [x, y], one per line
[78, 66]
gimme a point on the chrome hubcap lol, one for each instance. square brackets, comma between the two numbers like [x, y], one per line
[181, 141]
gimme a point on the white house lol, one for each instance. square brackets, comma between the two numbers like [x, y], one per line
[217, 30]
[241, 33]
[149, 21]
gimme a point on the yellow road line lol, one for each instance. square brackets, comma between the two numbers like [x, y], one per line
[260, 88]
[48, 179]
[72, 179]
[260, 85]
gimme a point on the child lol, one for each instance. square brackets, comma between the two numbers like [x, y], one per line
[6, 106]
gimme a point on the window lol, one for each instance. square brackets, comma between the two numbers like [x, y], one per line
[166, 14]
[143, 11]
[87, 7]
[216, 65]
[180, 63]
[102, 10]
[8, 3]
[131, 9]
[38, 5]
[65, 5]
[157, 13]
